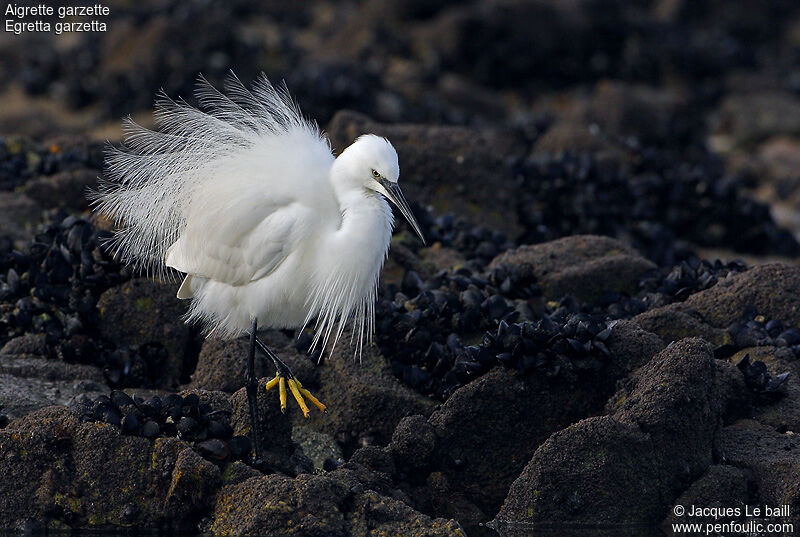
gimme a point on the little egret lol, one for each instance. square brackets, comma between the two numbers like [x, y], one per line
[245, 197]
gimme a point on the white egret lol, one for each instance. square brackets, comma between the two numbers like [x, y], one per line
[244, 196]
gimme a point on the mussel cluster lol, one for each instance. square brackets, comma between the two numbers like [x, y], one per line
[186, 418]
[658, 203]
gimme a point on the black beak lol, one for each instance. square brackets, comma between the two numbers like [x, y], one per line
[395, 195]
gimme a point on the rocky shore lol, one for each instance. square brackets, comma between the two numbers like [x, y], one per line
[605, 322]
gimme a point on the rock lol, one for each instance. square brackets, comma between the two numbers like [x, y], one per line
[723, 487]
[64, 473]
[373, 515]
[673, 323]
[365, 401]
[28, 383]
[318, 505]
[237, 472]
[571, 135]
[784, 413]
[413, 444]
[626, 468]
[194, 484]
[583, 266]
[222, 363]
[752, 117]
[268, 505]
[319, 447]
[772, 459]
[19, 215]
[646, 113]
[632, 346]
[599, 465]
[66, 189]
[142, 311]
[772, 289]
[276, 427]
[454, 169]
[487, 430]
[675, 398]
[27, 344]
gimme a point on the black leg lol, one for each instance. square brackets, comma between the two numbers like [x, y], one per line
[280, 366]
[252, 395]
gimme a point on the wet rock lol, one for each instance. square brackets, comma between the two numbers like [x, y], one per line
[365, 401]
[772, 458]
[723, 487]
[584, 266]
[773, 290]
[276, 427]
[373, 514]
[673, 323]
[317, 505]
[65, 473]
[28, 383]
[628, 466]
[142, 311]
[455, 169]
[488, 430]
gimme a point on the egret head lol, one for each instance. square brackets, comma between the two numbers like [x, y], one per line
[371, 162]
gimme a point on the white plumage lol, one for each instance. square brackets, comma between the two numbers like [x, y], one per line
[246, 198]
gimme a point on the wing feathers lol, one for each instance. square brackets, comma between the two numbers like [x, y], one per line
[153, 183]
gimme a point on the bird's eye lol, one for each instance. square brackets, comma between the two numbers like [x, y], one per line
[375, 174]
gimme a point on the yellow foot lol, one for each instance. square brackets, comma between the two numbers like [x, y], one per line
[297, 391]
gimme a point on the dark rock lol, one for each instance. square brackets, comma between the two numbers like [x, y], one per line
[65, 473]
[772, 458]
[317, 505]
[66, 189]
[364, 400]
[375, 459]
[488, 430]
[27, 344]
[627, 467]
[584, 266]
[19, 216]
[724, 487]
[413, 443]
[673, 323]
[753, 117]
[276, 427]
[29, 382]
[600, 466]
[772, 289]
[222, 364]
[142, 311]
[631, 346]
